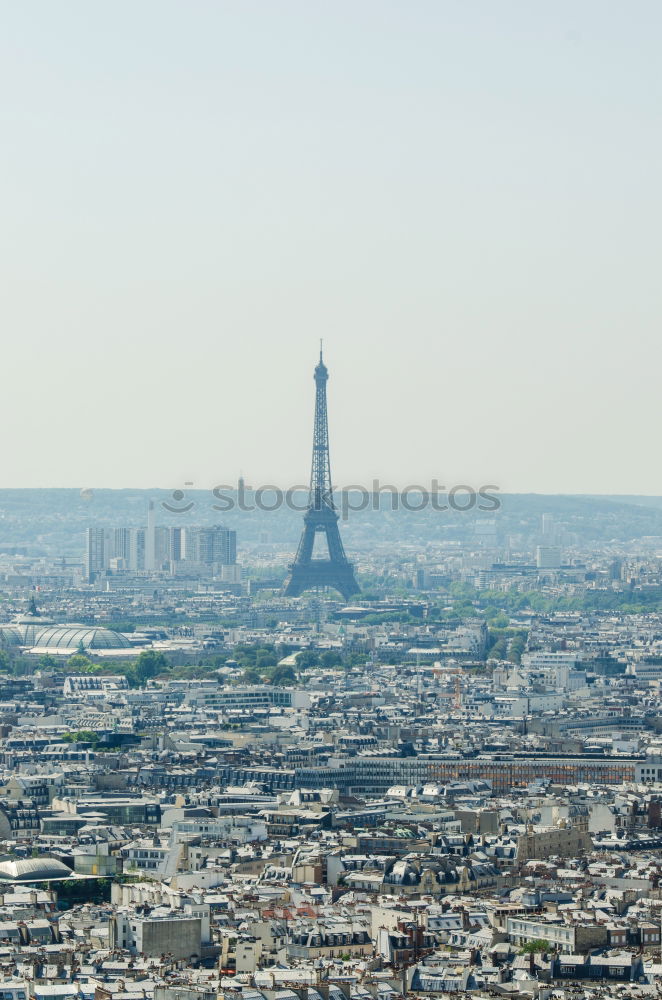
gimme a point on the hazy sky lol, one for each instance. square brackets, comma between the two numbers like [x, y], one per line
[461, 196]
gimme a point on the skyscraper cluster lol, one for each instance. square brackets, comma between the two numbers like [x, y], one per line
[203, 551]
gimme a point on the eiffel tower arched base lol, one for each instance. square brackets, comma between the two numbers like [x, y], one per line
[321, 573]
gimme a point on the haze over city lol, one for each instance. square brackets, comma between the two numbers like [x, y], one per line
[461, 199]
[331, 512]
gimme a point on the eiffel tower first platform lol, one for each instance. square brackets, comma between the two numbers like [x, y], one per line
[335, 571]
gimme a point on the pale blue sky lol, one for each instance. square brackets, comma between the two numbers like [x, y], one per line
[462, 198]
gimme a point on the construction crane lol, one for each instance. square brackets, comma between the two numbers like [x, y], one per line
[457, 672]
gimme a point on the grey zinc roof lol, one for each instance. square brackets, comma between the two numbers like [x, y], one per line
[33, 868]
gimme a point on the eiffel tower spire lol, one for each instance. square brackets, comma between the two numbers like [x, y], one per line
[321, 516]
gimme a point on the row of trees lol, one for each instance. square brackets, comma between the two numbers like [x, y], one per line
[468, 601]
[259, 663]
[262, 664]
[148, 664]
[506, 644]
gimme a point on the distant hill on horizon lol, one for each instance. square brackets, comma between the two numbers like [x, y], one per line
[53, 521]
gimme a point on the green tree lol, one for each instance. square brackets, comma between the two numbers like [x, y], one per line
[82, 736]
[5, 661]
[78, 662]
[265, 660]
[516, 648]
[149, 664]
[499, 650]
[537, 945]
[283, 675]
[463, 591]
[307, 658]
[330, 658]
[251, 676]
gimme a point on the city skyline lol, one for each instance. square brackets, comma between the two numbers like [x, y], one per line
[380, 718]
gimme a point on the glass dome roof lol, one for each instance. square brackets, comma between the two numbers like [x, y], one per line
[63, 636]
[9, 635]
[72, 636]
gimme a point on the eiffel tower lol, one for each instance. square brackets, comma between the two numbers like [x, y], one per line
[321, 516]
